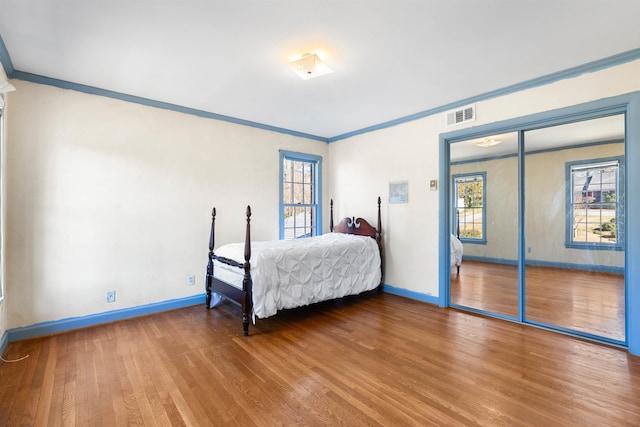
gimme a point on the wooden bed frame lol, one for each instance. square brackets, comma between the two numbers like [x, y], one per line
[243, 297]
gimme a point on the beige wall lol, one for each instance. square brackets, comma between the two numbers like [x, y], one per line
[106, 195]
[362, 167]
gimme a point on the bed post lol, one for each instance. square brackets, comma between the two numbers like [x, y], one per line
[379, 236]
[331, 218]
[247, 284]
[458, 235]
[380, 246]
[210, 263]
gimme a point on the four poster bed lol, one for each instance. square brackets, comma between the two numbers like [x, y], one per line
[264, 277]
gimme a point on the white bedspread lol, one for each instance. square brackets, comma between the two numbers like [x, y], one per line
[294, 273]
[456, 251]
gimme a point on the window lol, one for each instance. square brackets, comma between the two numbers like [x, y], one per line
[595, 204]
[469, 210]
[300, 184]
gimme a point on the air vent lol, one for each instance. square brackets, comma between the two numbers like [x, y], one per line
[461, 115]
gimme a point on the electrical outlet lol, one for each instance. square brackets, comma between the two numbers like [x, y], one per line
[191, 280]
[111, 296]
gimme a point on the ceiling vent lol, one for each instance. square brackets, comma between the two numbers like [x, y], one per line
[461, 115]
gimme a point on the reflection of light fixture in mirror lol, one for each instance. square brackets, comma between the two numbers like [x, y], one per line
[488, 142]
[309, 66]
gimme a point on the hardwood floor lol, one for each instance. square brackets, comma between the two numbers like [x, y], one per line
[486, 286]
[380, 360]
[584, 301]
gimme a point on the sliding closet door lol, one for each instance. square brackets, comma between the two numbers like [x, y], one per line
[484, 218]
[574, 190]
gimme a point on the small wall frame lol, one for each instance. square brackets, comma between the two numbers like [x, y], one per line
[398, 192]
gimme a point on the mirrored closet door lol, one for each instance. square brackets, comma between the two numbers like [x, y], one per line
[484, 224]
[574, 227]
[563, 267]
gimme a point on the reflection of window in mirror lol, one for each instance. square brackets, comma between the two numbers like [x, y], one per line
[594, 204]
[469, 206]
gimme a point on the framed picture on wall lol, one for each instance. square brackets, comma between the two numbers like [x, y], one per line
[398, 192]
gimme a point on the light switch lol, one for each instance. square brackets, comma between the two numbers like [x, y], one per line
[433, 184]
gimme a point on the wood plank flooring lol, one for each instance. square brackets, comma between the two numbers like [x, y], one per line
[371, 360]
[585, 301]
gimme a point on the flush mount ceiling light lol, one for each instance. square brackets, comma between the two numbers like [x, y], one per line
[309, 66]
[488, 142]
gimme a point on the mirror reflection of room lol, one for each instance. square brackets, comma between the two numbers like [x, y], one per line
[574, 227]
[484, 182]
[573, 238]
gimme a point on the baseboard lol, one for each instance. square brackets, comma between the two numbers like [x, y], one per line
[57, 326]
[411, 294]
[3, 342]
[562, 265]
[489, 260]
[581, 267]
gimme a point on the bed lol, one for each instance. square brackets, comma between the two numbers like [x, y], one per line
[265, 277]
[456, 248]
[456, 252]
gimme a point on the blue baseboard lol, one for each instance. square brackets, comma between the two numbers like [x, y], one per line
[563, 265]
[490, 260]
[411, 294]
[57, 326]
[3, 342]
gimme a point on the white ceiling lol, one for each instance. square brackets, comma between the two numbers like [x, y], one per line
[392, 58]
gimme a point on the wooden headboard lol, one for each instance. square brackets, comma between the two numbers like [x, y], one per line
[359, 226]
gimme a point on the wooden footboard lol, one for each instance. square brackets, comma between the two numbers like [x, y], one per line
[241, 297]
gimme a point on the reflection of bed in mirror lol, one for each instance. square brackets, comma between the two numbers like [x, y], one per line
[456, 252]
[455, 246]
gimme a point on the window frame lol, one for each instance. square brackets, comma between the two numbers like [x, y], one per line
[620, 220]
[454, 210]
[316, 190]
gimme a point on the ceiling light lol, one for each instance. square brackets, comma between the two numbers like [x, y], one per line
[488, 142]
[309, 66]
